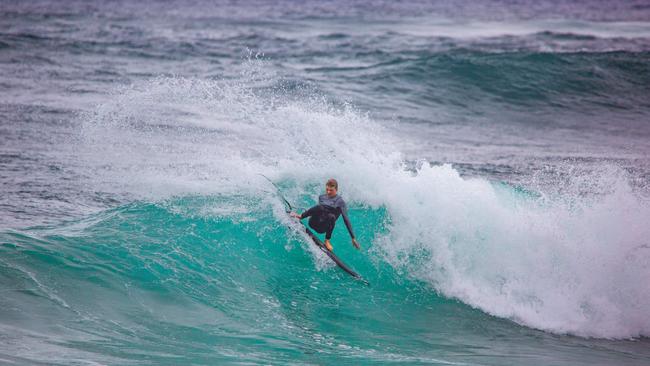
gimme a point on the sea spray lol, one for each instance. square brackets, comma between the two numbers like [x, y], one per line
[545, 263]
[558, 266]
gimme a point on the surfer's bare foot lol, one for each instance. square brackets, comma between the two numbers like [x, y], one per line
[328, 245]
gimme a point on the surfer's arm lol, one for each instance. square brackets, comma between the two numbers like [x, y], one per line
[305, 214]
[346, 219]
[348, 224]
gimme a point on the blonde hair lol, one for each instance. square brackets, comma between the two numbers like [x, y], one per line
[332, 183]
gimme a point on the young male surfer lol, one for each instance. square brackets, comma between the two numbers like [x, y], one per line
[323, 216]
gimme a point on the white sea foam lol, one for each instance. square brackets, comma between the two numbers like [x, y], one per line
[568, 268]
[562, 264]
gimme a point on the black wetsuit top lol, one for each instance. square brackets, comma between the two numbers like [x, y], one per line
[324, 215]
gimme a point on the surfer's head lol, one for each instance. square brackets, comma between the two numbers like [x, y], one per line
[331, 187]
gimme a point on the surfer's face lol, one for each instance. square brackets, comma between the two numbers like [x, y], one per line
[331, 191]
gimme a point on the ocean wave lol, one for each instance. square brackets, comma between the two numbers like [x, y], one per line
[572, 81]
[519, 256]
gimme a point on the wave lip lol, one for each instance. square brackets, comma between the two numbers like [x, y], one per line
[568, 268]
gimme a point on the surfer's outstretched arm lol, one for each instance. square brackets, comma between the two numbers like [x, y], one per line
[348, 225]
[305, 214]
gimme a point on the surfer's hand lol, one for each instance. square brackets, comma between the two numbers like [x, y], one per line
[294, 215]
[356, 244]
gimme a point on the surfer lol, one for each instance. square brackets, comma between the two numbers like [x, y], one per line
[323, 216]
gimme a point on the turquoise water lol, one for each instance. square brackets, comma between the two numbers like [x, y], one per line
[183, 281]
[494, 156]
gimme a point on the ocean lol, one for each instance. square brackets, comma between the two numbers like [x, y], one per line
[494, 155]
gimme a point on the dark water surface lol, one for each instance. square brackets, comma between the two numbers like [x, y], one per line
[495, 157]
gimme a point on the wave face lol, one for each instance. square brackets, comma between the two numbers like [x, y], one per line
[495, 159]
[206, 257]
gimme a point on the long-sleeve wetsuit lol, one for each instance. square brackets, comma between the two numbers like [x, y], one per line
[324, 215]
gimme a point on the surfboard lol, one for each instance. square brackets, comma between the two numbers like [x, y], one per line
[316, 240]
[333, 256]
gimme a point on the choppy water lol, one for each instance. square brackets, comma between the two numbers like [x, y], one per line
[495, 157]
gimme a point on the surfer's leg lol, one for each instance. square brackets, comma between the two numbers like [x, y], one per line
[328, 233]
[316, 224]
[316, 219]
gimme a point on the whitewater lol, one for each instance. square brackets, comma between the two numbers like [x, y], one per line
[497, 182]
